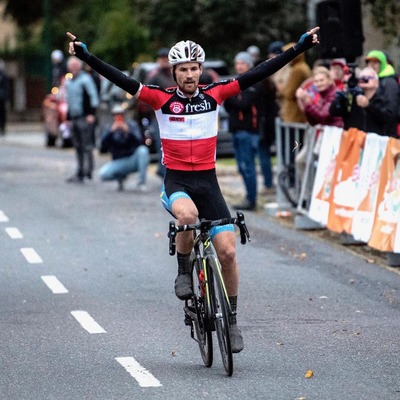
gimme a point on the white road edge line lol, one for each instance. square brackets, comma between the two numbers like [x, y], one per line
[31, 256]
[54, 284]
[3, 217]
[143, 377]
[87, 322]
[14, 233]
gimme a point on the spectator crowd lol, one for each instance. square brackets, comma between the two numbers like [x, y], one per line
[329, 92]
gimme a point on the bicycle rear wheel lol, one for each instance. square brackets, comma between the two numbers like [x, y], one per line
[220, 312]
[201, 324]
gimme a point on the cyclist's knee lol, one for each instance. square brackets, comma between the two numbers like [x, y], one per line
[224, 243]
[186, 217]
[185, 211]
[227, 256]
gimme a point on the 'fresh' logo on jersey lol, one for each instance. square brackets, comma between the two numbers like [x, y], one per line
[199, 107]
[176, 107]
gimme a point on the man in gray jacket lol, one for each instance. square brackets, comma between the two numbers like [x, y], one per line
[83, 100]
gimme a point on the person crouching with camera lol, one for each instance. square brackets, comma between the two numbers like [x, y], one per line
[124, 141]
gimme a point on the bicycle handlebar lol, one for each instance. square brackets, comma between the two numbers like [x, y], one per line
[206, 225]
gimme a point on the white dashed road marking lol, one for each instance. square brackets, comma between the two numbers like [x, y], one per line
[31, 256]
[3, 217]
[143, 377]
[54, 284]
[14, 233]
[87, 322]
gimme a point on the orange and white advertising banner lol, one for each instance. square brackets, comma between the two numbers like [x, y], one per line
[384, 236]
[367, 192]
[323, 182]
[346, 181]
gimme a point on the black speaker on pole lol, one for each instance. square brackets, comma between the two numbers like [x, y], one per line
[341, 33]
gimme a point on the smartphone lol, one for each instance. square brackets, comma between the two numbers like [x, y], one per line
[119, 118]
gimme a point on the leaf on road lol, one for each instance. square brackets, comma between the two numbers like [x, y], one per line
[301, 256]
[309, 374]
[283, 214]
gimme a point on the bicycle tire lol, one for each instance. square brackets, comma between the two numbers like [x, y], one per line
[202, 328]
[220, 310]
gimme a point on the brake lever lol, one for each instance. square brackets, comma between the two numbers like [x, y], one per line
[244, 232]
[171, 235]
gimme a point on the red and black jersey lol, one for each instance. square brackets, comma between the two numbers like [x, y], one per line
[188, 126]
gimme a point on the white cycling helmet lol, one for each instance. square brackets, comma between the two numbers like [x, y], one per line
[186, 51]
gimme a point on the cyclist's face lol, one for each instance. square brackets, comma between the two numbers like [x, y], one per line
[187, 76]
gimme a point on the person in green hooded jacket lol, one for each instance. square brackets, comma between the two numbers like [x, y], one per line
[388, 85]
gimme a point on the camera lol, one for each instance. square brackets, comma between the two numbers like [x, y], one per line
[364, 79]
[352, 83]
[345, 98]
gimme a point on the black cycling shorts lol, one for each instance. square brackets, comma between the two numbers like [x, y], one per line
[201, 187]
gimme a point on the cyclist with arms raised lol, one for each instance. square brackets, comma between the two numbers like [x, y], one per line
[188, 120]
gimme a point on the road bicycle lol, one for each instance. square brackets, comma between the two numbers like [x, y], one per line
[208, 310]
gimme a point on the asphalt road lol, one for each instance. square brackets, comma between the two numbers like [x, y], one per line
[87, 308]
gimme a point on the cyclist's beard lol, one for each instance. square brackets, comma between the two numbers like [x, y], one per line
[189, 87]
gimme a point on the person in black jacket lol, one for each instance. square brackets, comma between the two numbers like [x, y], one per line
[124, 140]
[388, 84]
[363, 106]
[269, 111]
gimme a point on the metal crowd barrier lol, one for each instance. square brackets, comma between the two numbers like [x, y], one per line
[289, 139]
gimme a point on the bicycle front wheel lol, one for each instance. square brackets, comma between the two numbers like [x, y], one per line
[220, 311]
[201, 323]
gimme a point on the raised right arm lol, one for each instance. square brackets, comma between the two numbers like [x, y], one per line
[109, 72]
